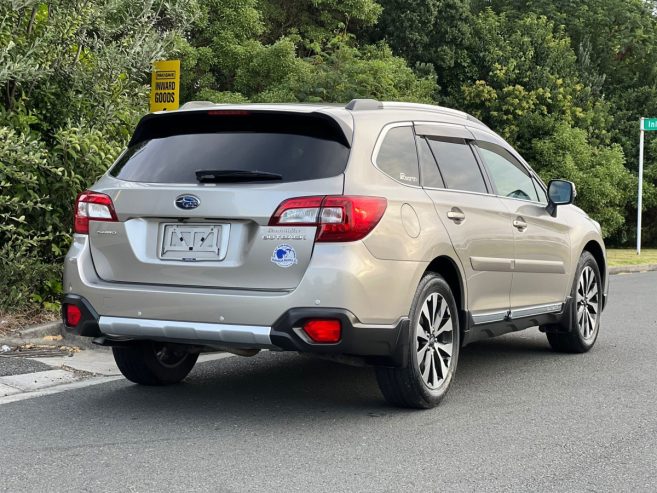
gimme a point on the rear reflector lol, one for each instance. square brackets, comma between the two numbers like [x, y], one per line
[337, 217]
[73, 315]
[323, 331]
[92, 206]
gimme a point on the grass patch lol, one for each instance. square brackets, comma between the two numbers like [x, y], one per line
[617, 257]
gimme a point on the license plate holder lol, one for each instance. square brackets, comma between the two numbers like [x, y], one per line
[193, 242]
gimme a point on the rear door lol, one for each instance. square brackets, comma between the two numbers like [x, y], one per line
[195, 191]
[542, 242]
[475, 220]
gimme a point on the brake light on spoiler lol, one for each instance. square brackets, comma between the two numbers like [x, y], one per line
[92, 206]
[338, 218]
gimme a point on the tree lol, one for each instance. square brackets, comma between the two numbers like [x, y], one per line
[435, 36]
[277, 51]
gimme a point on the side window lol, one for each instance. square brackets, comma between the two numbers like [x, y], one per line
[457, 164]
[542, 197]
[397, 156]
[428, 168]
[508, 175]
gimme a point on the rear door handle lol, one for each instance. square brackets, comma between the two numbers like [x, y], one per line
[520, 224]
[456, 215]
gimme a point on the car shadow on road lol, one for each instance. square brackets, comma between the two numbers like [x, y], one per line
[283, 386]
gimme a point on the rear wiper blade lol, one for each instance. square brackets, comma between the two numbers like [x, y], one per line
[234, 175]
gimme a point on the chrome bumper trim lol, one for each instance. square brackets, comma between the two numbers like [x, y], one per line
[188, 331]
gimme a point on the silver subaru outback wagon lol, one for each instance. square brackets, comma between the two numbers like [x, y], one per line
[390, 234]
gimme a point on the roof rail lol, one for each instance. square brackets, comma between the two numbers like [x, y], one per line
[364, 104]
[196, 104]
[434, 109]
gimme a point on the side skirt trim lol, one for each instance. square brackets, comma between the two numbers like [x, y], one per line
[530, 311]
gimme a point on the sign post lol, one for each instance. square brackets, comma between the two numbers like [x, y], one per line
[165, 82]
[646, 125]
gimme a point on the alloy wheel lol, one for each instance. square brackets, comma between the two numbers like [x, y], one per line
[434, 340]
[588, 303]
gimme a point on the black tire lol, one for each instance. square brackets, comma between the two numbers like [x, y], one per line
[152, 363]
[571, 336]
[406, 387]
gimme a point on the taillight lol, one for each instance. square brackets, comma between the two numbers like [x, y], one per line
[337, 217]
[323, 331]
[92, 206]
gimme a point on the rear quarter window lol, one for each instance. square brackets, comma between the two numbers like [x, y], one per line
[397, 155]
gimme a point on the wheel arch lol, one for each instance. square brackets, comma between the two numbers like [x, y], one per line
[448, 268]
[598, 252]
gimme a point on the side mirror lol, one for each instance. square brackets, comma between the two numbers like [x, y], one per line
[560, 192]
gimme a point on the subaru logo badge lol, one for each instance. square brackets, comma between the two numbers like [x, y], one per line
[187, 202]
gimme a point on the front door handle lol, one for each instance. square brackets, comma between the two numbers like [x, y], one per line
[456, 215]
[520, 224]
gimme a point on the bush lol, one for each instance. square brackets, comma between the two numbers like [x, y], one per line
[28, 281]
[73, 81]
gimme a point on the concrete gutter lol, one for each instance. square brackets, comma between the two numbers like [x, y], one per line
[629, 269]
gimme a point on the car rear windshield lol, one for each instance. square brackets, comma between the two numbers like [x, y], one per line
[172, 148]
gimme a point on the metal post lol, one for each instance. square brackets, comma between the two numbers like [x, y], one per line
[638, 219]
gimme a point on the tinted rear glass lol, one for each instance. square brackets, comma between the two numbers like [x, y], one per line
[297, 147]
[397, 156]
[457, 164]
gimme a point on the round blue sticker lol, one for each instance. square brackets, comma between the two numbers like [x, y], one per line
[284, 256]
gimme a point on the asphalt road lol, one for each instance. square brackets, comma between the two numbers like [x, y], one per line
[518, 418]
[10, 365]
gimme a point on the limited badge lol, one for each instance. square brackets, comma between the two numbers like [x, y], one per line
[284, 256]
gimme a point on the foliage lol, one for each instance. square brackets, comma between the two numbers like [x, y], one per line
[292, 51]
[604, 185]
[28, 281]
[435, 36]
[72, 77]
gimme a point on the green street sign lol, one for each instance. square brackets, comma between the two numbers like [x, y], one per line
[649, 124]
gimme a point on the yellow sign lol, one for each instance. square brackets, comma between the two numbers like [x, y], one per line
[165, 82]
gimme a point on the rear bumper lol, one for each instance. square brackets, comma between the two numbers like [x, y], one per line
[374, 344]
[342, 275]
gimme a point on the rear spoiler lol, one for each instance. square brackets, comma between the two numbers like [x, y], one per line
[208, 120]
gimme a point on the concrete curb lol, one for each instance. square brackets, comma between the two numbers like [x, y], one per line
[43, 330]
[35, 335]
[629, 269]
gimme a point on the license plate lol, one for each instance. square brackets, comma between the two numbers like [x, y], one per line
[193, 242]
